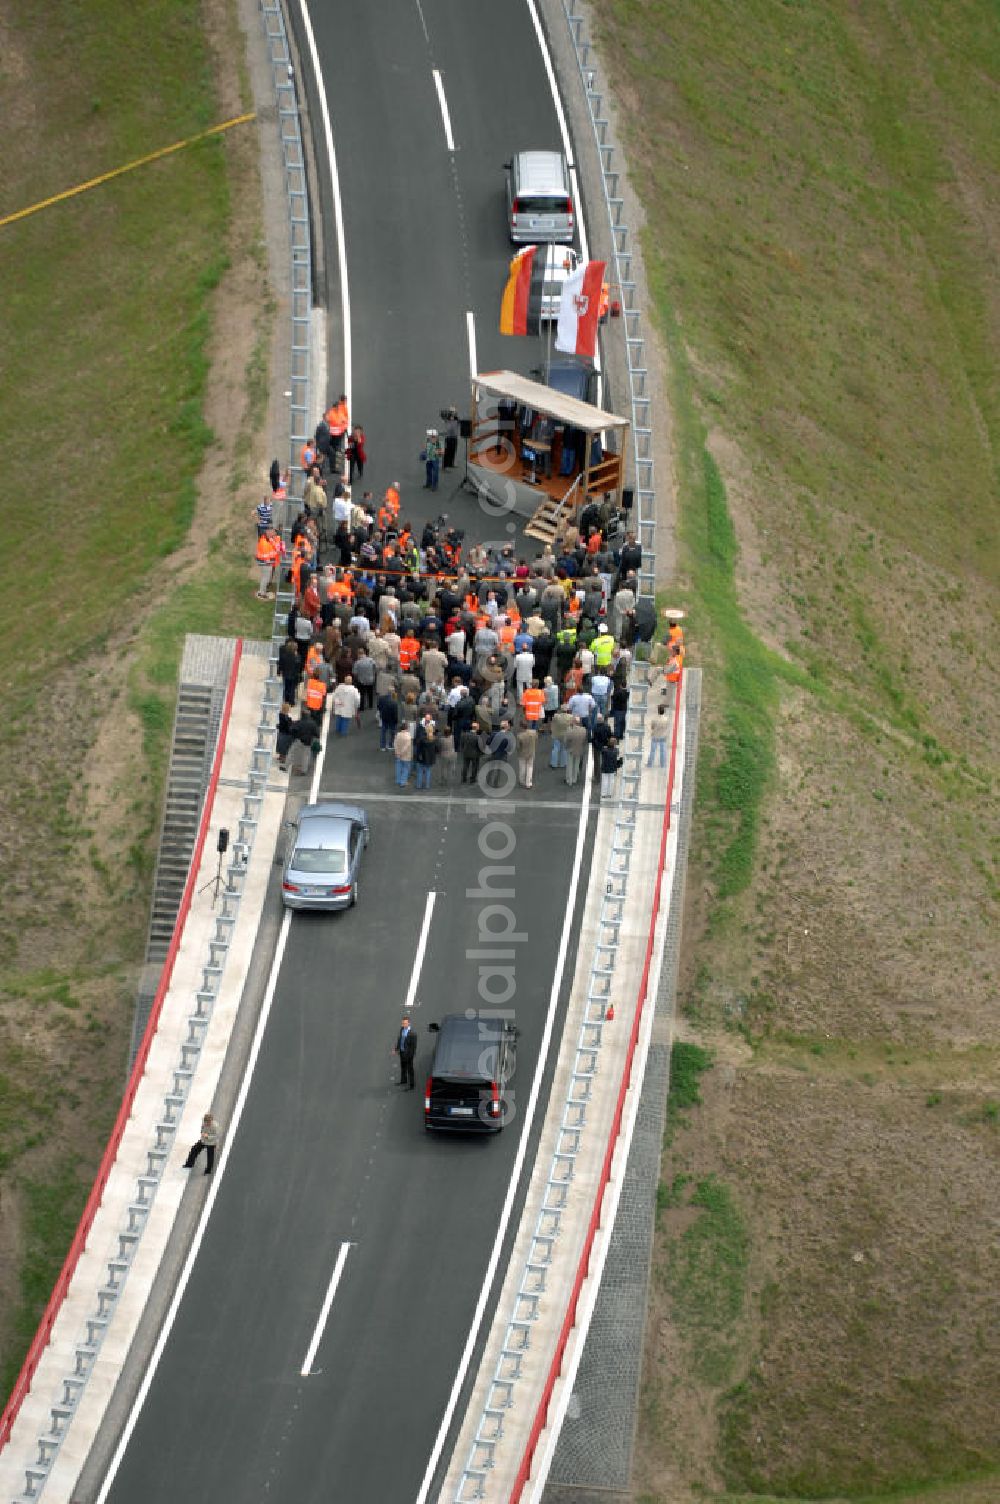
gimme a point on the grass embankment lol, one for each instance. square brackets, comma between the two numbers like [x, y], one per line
[821, 243]
[105, 350]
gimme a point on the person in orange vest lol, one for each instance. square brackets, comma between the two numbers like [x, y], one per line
[507, 633]
[533, 705]
[675, 635]
[315, 696]
[269, 552]
[336, 417]
[392, 498]
[308, 455]
[314, 658]
[409, 652]
[675, 665]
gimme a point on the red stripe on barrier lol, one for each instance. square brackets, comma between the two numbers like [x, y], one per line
[41, 1338]
[583, 1268]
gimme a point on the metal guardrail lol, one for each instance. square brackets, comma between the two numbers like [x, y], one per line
[121, 1257]
[127, 1239]
[572, 1130]
[621, 255]
[297, 189]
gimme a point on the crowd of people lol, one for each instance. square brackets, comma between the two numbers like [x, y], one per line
[463, 659]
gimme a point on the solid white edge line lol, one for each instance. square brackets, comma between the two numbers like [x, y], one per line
[522, 1148]
[272, 980]
[449, 138]
[206, 1212]
[338, 208]
[331, 1291]
[470, 328]
[613, 1191]
[418, 959]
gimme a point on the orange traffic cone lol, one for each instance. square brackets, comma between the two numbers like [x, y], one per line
[609, 1013]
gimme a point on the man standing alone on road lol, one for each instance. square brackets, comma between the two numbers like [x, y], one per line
[208, 1139]
[406, 1049]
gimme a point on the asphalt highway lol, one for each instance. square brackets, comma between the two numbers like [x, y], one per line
[426, 238]
[331, 1169]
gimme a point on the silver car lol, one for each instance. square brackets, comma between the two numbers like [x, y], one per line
[321, 870]
[539, 198]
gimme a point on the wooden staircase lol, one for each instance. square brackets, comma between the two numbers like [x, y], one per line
[545, 520]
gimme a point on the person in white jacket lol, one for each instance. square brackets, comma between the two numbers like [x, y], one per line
[346, 704]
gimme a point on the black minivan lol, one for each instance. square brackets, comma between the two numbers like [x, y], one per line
[473, 1061]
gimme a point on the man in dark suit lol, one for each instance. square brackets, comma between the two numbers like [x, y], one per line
[406, 1048]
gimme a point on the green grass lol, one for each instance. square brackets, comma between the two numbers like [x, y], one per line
[688, 1063]
[820, 211]
[104, 357]
[52, 1208]
[706, 1279]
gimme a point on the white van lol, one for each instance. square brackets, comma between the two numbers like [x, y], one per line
[539, 198]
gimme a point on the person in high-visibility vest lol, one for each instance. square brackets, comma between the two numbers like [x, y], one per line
[308, 455]
[603, 647]
[533, 705]
[675, 665]
[314, 658]
[392, 498]
[675, 635]
[315, 696]
[409, 652]
[268, 559]
[336, 417]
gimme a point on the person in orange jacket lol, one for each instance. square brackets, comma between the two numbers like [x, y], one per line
[675, 665]
[533, 705]
[315, 696]
[269, 552]
[409, 652]
[336, 417]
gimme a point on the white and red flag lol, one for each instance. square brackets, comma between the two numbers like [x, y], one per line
[580, 310]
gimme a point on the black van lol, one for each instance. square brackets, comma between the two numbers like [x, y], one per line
[473, 1061]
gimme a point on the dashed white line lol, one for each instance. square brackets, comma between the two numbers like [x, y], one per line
[331, 1291]
[449, 138]
[420, 13]
[418, 959]
[470, 324]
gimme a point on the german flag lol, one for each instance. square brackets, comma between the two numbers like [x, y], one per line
[521, 304]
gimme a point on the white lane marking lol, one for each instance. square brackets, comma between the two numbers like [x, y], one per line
[420, 13]
[331, 1291]
[272, 980]
[338, 208]
[470, 324]
[522, 1147]
[418, 959]
[206, 1212]
[543, 48]
[449, 138]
